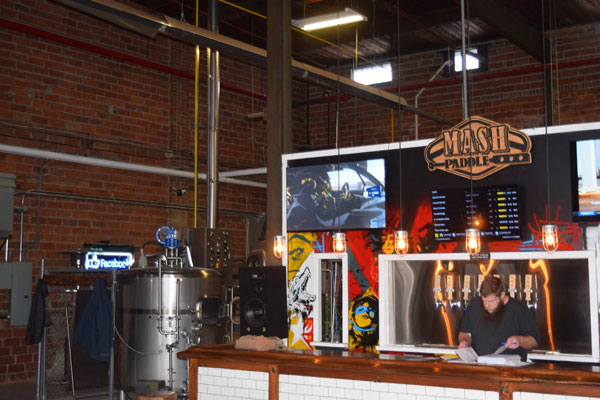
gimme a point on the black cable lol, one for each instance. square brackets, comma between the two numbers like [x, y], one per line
[337, 117]
[545, 113]
[399, 119]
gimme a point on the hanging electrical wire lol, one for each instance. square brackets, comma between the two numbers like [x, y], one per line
[472, 234]
[549, 230]
[400, 236]
[339, 238]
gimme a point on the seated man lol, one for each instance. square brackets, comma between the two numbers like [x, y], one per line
[495, 318]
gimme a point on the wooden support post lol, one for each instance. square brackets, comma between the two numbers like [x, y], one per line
[273, 382]
[505, 391]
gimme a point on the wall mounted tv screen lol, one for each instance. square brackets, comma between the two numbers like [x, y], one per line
[585, 179]
[496, 208]
[324, 197]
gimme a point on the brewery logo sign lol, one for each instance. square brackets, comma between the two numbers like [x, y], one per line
[478, 147]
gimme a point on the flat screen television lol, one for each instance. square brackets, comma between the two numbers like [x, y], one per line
[585, 182]
[496, 212]
[328, 195]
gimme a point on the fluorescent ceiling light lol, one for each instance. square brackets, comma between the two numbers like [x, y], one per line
[325, 21]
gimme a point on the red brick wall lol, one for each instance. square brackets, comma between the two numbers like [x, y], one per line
[63, 98]
[516, 98]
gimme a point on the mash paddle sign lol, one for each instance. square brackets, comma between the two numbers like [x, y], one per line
[478, 147]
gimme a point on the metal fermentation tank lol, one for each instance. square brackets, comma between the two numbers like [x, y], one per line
[192, 313]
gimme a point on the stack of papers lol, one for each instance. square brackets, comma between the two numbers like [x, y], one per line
[468, 355]
[500, 359]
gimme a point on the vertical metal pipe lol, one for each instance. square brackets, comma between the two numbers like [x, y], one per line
[22, 211]
[42, 352]
[111, 366]
[70, 351]
[213, 122]
[464, 60]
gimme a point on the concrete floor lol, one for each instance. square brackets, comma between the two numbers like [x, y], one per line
[27, 391]
[14, 391]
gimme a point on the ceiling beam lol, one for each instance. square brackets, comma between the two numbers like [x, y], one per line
[511, 25]
[149, 25]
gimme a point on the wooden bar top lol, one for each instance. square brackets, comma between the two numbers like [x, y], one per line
[564, 378]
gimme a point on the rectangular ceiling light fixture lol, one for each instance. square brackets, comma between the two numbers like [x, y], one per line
[325, 21]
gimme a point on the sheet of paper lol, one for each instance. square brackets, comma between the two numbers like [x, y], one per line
[500, 359]
[500, 349]
[467, 354]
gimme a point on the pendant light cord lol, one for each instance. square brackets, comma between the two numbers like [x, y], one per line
[399, 118]
[466, 96]
[545, 113]
[337, 119]
[469, 103]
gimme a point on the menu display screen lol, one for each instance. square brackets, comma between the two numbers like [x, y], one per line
[494, 210]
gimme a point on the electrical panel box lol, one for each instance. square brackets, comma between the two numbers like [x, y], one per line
[16, 276]
[7, 204]
[211, 248]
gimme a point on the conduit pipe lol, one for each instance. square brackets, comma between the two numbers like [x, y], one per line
[464, 61]
[50, 155]
[213, 123]
[117, 55]
[440, 69]
[141, 203]
[228, 87]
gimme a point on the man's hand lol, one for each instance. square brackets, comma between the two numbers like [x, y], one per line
[464, 340]
[526, 342]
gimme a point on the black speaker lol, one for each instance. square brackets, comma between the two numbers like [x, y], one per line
[263, 303]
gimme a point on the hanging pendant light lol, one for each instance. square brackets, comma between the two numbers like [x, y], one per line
[400, 236]
[279, 246]
[401, 242]
[550, 238]
[339, 238]
[339, 243]
[473, 242]
[549, 231]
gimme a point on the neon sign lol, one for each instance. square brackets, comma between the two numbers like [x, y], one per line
[108, 260]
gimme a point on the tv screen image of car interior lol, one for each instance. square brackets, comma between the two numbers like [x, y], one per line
[588, 178]
[348, 195]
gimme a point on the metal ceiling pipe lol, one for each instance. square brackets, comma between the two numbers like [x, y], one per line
[439, 70]
[51, 155]
[213, 122]
[464, 60]
[92, 48]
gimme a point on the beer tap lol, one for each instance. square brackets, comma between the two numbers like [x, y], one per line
[450, 290]
[438, 299]
[513, 285]
[466, 291]
[480, 279]
[530, 291]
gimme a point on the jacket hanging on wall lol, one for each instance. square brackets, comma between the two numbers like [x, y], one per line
[95, 329]
[39, 317]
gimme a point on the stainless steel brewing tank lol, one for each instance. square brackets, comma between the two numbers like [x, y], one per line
[145, 353]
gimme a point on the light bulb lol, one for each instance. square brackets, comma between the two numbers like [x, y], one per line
[401, 242]
[339, 243]
[550, 238]
[279, 246]
[473, 243]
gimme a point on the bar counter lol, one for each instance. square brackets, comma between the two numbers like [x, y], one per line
[566, 379]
